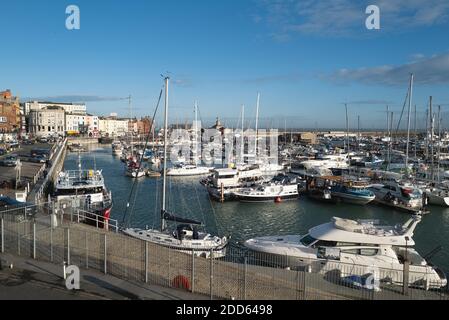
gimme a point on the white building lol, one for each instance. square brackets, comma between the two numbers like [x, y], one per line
[79, 108]
[113, 127]
[47, 121]
[74, 123]
[82, 124]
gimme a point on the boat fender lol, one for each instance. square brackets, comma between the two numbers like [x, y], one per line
[278, 200]
[181, 282]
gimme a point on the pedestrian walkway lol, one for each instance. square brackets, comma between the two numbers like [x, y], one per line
[36, 280]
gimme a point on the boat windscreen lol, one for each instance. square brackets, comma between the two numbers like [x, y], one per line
[307, 240]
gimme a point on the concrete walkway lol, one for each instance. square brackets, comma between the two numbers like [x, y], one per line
[35, 280]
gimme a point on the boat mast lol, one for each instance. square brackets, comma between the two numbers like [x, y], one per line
[195, 134]
[257, 122]
[388, 138]
[242, 147]
[347, 129]
[408, 121]
[439, 144]
[132, 125]
[358, 133]
[164, 183]
[416, 133]
[432, 120]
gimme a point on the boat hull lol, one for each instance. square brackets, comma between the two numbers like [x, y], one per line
[438, 200]
[246, 198]
[353, 199]
[210, 250]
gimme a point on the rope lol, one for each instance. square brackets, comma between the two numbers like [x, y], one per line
[141, 159]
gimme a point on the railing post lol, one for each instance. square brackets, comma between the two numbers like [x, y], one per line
[192, 280]
[87, 252]
[51, 244]
[146, 261]
[96, 219]
[18, 239]
[405, 278]
[34, 240]
[3, 236]
[78, 216]
[211, 273]
[105, 255]
[245, 270]
[68, 246]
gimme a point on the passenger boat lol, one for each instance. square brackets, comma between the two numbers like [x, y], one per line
[355, 248]
[85, 190]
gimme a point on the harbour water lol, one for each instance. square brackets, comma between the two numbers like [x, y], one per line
[188, 198]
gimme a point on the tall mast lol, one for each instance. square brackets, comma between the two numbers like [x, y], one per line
[195, 134]
[390, 141]
[388, 138]
[408, 121]
[427, 135]
[164, 183]
[358, 132]
[432, 119]
[132, 124]
[439, 143]
[257, 121]
[415, 130]
[242, 138]
[347, 129]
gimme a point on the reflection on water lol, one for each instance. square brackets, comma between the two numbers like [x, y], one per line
[186, 197]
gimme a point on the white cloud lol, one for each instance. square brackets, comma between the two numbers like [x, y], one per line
[430, 70]
[345, 17]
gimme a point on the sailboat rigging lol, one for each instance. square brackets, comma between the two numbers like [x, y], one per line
[186, 237]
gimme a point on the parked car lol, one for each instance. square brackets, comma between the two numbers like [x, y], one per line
[40, 152]
[38, 159]
[42, 140]
[19, 210]
[14, 145]
[27, 142]
[9, 161]
[3, 151]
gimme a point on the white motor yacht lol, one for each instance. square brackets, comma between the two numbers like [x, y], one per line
[401, 195]
[355, 248]
[188, 170]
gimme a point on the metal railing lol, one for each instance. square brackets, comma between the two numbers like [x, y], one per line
[242, 274]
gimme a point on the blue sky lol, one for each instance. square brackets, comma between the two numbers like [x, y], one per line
[306, 58]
